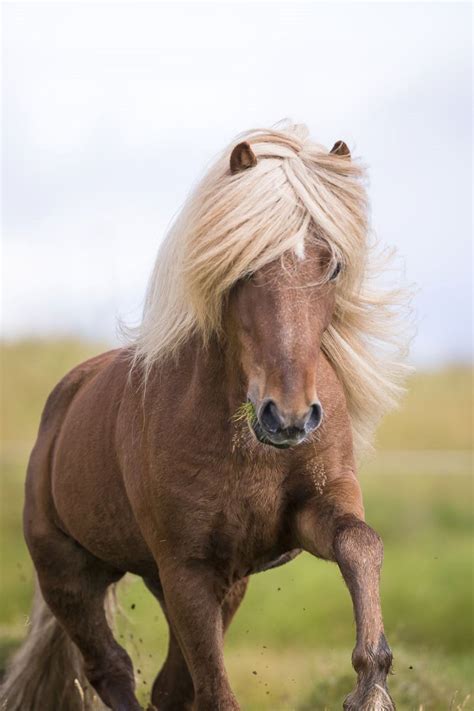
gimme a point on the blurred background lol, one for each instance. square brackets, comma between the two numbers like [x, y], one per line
[111, 113]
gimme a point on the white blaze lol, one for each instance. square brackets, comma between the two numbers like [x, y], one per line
[299, 249]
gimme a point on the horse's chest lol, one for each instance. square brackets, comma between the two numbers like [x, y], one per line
[251, 529]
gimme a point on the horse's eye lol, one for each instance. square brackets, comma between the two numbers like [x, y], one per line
[336, 271]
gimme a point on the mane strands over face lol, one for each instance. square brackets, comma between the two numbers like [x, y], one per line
[235, 223]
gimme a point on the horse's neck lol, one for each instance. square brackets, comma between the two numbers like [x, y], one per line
[209, 374]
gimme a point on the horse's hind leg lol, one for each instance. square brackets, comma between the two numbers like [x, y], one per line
[173, 689]
[74, 584]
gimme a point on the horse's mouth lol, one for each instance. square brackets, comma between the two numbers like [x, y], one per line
[264, 438]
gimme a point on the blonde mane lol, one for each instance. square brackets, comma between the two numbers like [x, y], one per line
[233, 225]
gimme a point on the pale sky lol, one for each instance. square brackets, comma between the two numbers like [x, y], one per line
[112, 111]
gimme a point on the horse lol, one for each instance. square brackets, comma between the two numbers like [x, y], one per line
[221, 439]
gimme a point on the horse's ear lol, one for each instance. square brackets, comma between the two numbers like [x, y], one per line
[340, 149]
[241, 158]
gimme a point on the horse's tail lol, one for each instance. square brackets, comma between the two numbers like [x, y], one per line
[47, 671]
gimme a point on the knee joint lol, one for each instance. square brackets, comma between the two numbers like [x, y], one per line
[355, 544]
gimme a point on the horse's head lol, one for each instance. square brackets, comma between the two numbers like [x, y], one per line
[252, 263]
[280, 314]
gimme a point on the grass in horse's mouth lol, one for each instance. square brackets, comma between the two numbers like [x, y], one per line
[245, 412]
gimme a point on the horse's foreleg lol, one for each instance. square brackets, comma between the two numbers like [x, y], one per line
[332, 527]
[173, 688]
[197, 610]
[358, 551]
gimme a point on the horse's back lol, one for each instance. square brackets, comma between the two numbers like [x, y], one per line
[64, 392]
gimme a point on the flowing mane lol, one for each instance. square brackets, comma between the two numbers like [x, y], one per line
[232, 225]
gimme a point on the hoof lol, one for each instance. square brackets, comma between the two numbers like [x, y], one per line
[376, 698]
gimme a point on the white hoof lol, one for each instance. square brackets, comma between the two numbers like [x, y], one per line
[376, 698]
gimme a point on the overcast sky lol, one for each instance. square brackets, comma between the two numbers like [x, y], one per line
[111, 112]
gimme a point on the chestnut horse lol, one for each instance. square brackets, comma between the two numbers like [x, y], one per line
[219, 442]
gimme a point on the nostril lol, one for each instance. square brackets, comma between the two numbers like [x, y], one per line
[269, 417]
[315, 415]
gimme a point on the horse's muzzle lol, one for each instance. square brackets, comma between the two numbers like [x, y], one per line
[282, 431]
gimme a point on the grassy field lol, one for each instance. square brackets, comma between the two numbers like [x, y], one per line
[289, 647]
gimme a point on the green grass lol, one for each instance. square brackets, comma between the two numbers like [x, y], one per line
[30, 370]
[245, 412]
[295, 627]
[436, 413]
